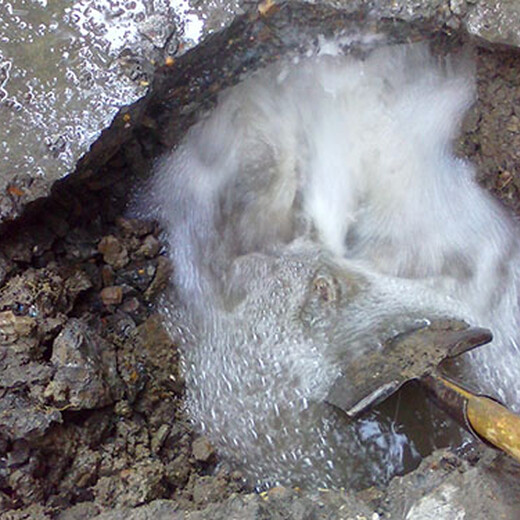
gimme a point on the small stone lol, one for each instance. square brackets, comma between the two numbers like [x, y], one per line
[134, 486]
[178, 470]
[135, 227]
[113, 251]
[139, 275]
[112, 295]
[162, 275]
[208, 489]
[131, 305]
[513, 125]
[86, 376]
[76, 284]
[150, 247]
[13, 327]
[26, 486]
[123, 408]
[159, 437]
[202, 449]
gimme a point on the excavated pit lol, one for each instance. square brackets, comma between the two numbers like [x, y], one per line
[91, 394]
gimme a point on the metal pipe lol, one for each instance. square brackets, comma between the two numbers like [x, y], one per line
[484, 417]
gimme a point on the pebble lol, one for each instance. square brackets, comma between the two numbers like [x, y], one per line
[202, 449]
[159, 437]
[13, 327]
[161, 278]
[150, 247]
[112, 295]
[113, 251]
[123, 408]
[135, 227]
[131, 305]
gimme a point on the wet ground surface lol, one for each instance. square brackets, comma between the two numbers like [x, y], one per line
[70, 71]
[91, 417]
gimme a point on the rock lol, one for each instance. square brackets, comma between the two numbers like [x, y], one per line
[208, 489]
[24, 373]
[123, 409]
[131, 305]
[445, 486]
[159, 346]
[158, 510]
[159, 438]
[161, 278]
[75, 284]
[150, 247]
[112, 295]
[107, 275]
[37, 293]
[113, 251]
[84, 469]
[202, 449]
[86, 374]
[138, 275]
[34, 512]
[80, 511]
[495, 21]
[134, 227]
[21, 419]
[286, 503]
[178, 470]
[142, 483]
[13, 327]
[40, 293]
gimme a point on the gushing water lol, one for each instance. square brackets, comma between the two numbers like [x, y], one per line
[315, 213]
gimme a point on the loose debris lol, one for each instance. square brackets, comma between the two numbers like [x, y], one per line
[90, 389]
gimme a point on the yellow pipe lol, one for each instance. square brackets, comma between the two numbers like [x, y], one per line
[490, 420]
[496, 424]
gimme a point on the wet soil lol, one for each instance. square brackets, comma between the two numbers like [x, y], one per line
[91, 414]
[90, 389]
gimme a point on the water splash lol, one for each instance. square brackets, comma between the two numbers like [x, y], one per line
[315, 213]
